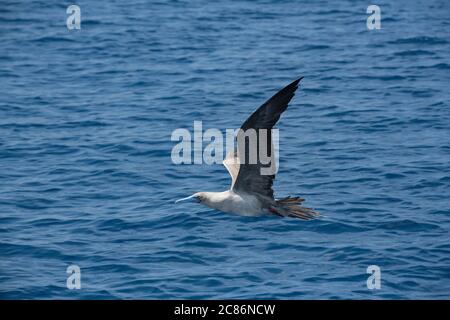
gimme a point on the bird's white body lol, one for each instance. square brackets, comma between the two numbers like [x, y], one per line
[232, 202]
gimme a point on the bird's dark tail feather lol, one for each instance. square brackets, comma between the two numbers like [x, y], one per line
[290, 207]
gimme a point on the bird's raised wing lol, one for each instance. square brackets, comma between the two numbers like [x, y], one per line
[249, 179]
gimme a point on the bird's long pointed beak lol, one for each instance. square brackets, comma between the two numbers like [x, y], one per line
[193, 198]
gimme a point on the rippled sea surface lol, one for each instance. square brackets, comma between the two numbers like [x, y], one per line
[86, 176]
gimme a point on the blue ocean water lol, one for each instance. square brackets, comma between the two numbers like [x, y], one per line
[86, 175]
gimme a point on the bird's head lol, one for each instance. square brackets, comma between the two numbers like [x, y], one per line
[198, 197]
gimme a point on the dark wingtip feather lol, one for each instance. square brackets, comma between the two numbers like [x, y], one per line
[268, 114]
[289, 89]
[295, 83]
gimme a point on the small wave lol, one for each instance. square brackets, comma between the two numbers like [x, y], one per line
[420, 40]
[408, 53]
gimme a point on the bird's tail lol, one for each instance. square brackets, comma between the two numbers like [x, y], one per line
[291, 207]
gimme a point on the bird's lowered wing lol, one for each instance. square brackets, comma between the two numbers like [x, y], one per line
[249, 179]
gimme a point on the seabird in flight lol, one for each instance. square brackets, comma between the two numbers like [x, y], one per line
[251, 191]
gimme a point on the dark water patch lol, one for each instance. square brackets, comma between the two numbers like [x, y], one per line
[412, 53]
[420, 40]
